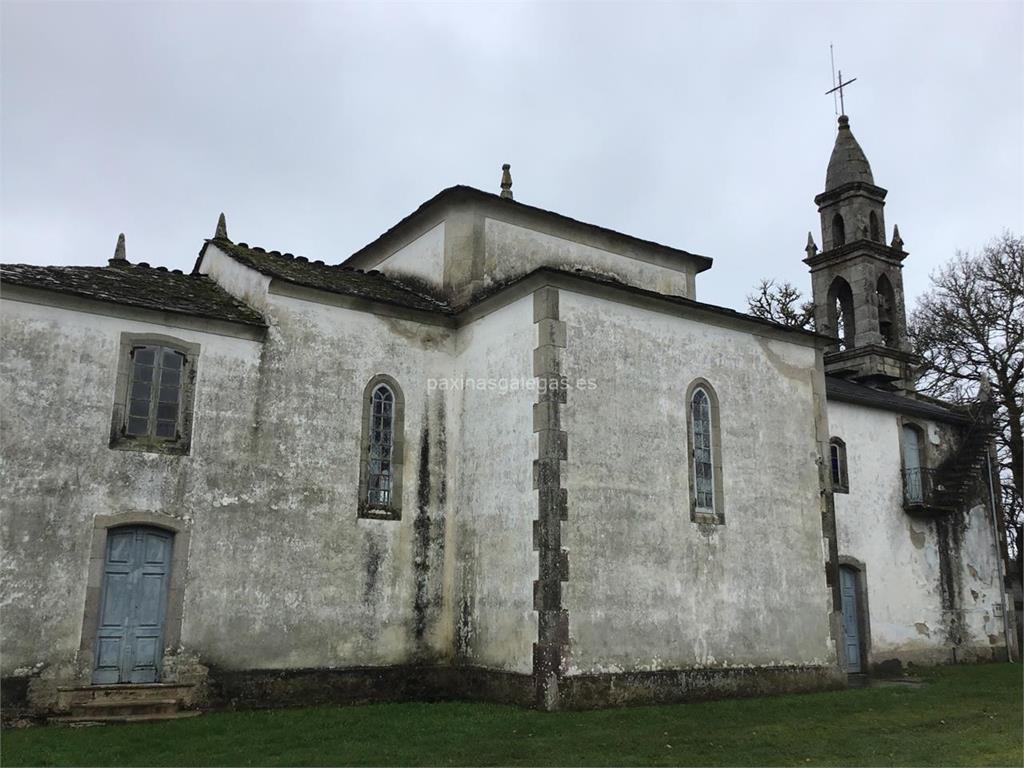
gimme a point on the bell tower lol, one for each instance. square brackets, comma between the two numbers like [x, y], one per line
[857, 280]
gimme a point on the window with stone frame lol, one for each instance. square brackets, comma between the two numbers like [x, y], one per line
[704, 471]
[837, 460]
[380, 469]
[155, 389]
[705, 465]
[379, 473]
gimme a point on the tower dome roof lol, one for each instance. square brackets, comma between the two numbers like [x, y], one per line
[848, 162]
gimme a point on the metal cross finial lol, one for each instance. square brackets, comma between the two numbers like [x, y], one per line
[838, 86]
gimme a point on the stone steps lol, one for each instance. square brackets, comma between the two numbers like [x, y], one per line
[83, 719]
[124, 703]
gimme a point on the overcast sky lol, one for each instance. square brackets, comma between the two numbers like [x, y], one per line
[316, 126]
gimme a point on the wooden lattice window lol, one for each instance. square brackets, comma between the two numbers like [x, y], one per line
[154, 394]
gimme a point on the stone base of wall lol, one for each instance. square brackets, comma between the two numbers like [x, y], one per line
[895, 662]
[664, 687]
[264, 688]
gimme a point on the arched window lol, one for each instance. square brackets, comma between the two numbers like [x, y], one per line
[380, 476]
[886, 310]
[840, 312]
[838, 231]
[382, 442]
[876, 232]
[840, 473]
[705, 454]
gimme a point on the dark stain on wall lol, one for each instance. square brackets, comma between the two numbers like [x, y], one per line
[429, 528]
[374, 558]
[949, 531]
[421, 540]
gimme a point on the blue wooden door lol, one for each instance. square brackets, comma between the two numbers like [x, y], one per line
[130, 636]
[851, 617]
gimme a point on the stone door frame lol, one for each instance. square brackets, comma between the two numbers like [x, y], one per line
[181, 530]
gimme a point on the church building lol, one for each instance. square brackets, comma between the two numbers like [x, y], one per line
[496, 454]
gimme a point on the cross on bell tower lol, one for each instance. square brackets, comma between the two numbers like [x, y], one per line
[838, 88]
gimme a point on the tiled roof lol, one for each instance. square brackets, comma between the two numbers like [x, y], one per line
[136, 285]
[371, 285]
[852, 392]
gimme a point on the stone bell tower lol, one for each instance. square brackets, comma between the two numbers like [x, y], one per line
[857, 280]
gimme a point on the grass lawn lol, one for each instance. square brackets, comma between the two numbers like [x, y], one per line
[966, 715]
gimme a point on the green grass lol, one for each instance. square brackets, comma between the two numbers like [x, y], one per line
[966, 715]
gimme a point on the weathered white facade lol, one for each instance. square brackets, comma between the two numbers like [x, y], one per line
[600, 489]
[932, 585]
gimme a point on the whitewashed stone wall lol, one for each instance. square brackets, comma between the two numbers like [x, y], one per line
[650, 589]
[903, 555]
[57, 378]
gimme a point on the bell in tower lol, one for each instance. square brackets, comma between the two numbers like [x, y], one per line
[857, 280]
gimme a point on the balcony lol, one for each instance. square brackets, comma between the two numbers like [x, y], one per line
[924, 494]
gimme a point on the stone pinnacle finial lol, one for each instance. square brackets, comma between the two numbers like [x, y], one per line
[984, 389]
[811, 248]
[897, 241]
[119, 251]
[506, 181]
[222, 229]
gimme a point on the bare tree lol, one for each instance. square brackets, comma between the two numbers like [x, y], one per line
[970, 326]
[781, 303]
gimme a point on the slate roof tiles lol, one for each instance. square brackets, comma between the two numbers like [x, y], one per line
[136, 285]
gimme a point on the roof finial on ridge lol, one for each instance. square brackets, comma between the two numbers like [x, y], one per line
[811, 248]
[506, 181]
[221, 232]
[119, 251]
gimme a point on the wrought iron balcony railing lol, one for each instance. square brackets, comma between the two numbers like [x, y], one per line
[922, 489]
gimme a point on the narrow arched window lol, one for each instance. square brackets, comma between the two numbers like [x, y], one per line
[876, 232]
[381, 467]
[838, 231]
[705, 454]
[703, 469]
[840, 472]
[382, 442]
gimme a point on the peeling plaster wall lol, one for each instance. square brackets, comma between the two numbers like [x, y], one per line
[511, 251]
[903, 554]
[309, 584]
[281, 572]
[648, 589]
[57, 386]
[495, 503]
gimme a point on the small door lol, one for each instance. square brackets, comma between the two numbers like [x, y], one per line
[851, 617]
[130, 636]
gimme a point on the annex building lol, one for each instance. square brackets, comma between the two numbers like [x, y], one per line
[497, 453]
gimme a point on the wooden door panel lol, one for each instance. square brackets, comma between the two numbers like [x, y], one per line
[129, 639]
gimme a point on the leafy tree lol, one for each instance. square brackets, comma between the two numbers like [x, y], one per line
[781, 303]
[969, 326]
